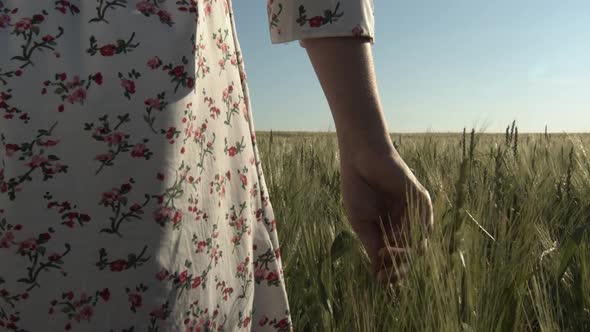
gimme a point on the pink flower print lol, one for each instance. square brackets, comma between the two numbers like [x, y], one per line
[4, 21]
[128, 85]
[177, 217]
[201, 246]
[135, 299]
[357, 31]
[224, 47]
[178, 70]
[6, 240]
[232, 151]
[138, 150]
[118, 265]
[71, 84]
[154, 62]
[241, 268]
[214, 112]
[196, 282]
[263, 321]
[226, 292]
[11, 149]
[69, 295]
[158, 313]
[27, 246]
[47, 38]
[244, 179]
[110, 197]
[162, 274]
[170, 132]
[49, 142]
[146, 7]
[38, 18]
[182, 277]
[208, 9]
[163, 214]
[24, 24]
[164, 16]
[104, 157]
[78, 303]
[316, 21]
[282, 324]
[44, 236]
[105, 294]
[108, 50]
[97, 78]
[85, 313]
[79, 95]
[239, 223]
[260, 273]
[272, 276]
[36, 161]
[153, 102]
[99, 131]
[114, 138]
[198, 133]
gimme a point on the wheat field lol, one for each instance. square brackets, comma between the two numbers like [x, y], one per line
[510, 250]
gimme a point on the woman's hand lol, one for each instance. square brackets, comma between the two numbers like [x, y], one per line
[374, 177]
[380, 185]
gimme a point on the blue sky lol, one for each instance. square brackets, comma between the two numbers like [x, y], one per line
[441, 66]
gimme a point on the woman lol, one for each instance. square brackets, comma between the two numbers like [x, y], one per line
[131, 192]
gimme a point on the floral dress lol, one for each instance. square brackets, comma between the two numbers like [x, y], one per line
[132, 196]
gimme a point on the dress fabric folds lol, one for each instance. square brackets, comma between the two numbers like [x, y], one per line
[132, 196]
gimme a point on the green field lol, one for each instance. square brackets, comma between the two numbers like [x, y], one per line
[510, 250]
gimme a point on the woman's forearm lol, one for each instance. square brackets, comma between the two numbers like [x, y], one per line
[345, 69]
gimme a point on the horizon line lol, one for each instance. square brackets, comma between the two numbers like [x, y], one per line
[433, 132]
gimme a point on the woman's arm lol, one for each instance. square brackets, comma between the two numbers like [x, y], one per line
[345, 69]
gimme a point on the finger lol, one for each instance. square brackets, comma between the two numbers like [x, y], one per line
[393, 275]
[394, 255]
[394, 228]
[419, 204]
[422, 246]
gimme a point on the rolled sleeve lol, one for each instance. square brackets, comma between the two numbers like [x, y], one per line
[291, 20]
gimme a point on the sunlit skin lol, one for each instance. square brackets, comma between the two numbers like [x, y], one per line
[376, 182]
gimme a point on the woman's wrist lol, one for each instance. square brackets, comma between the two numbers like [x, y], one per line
[360, 149]
[345, 69]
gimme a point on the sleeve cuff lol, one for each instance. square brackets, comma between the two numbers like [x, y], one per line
[320, 19]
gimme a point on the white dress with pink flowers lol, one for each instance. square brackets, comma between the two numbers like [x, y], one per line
[132, 196]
